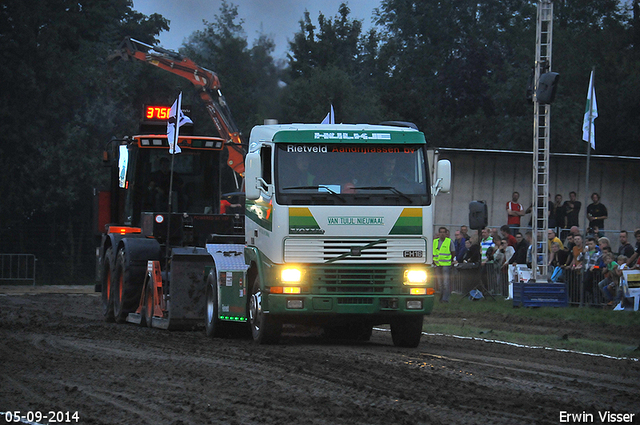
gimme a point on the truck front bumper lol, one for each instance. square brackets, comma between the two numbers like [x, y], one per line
[349, 304]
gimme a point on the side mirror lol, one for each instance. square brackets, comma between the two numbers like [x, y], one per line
[253, 175]
[123, 165]
[443, 176]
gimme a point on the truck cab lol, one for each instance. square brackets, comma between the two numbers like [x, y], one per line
[339, 225]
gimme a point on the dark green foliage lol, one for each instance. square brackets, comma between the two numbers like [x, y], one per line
[326, 68]
[458, 69]
[248, 75]
[59, 105]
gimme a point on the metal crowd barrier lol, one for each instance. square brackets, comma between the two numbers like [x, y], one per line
[497, 282]
[592, 294]
[18, 268]
[465, 279]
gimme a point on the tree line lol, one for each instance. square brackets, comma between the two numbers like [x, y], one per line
[459, 70]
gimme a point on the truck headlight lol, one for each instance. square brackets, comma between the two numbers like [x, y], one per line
[290, 275]
[415, 277]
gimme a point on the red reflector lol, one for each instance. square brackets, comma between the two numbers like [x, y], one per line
[123, 230]
[275, 290]
[431, 291]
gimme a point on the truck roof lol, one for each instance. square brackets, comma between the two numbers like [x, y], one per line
[335, 133]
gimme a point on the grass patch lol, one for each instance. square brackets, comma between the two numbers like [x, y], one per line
[615, 349]
[591, 330]
[505, 308]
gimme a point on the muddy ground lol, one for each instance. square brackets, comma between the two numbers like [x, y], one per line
[57, 354]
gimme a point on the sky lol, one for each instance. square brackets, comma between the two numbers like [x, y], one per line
[278, 19]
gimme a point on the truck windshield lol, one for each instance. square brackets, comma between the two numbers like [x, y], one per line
[194, 182]
[352, 174]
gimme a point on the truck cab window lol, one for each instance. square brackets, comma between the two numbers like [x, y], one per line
[265, 157]
[361, 174]
[193, 182]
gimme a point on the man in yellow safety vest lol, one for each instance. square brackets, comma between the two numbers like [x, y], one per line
[443, 255]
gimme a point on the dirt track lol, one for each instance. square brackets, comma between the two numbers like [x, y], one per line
[57, 354]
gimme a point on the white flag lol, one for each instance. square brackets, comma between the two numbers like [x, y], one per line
[330, 118]
[590, 114]
[173, 131]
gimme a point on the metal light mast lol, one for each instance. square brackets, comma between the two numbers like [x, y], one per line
[541, 137]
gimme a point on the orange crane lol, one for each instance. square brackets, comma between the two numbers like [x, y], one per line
[206, 82]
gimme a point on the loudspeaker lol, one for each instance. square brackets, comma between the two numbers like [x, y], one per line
[547, 87]
[478, 216]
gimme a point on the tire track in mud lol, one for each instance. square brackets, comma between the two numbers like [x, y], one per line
[414, 395]
[274, 370]
[567, 379]
[57, 354]
[559, 375]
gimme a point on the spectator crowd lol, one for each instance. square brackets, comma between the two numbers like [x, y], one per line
[592, 257]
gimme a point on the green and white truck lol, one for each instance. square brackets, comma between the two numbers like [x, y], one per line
[337, 227]
[338, 233]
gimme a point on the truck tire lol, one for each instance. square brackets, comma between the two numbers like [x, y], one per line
[264, 329]
[126, 293]
[106, 293]
[406, 331]
[212, 323]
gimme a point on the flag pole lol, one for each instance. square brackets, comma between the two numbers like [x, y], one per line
[173, 156]
[590, 119]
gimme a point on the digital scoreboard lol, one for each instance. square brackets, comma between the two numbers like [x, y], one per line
[156, 113]
[160, 113]
[154, 119]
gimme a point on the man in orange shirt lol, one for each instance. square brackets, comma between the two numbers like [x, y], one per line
[576, 251]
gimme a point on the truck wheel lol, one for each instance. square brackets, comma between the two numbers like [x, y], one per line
[213, 325]
[406, 331]
[106, 295]
[264, 329]
[126, 295]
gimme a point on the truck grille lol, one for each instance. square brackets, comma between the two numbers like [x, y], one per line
[371, 281]
[310, 250]
[355, 301]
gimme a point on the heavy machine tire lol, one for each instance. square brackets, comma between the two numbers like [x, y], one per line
[264, 329]
[125, 292]
[406, 331]
[106, 295]
[213, 326]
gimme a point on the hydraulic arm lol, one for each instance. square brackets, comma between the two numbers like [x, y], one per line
[205, 81]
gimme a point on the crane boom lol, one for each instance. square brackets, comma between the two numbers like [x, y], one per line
[206, 82]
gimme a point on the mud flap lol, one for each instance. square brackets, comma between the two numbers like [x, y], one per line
[186, 300]
[154, 308]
